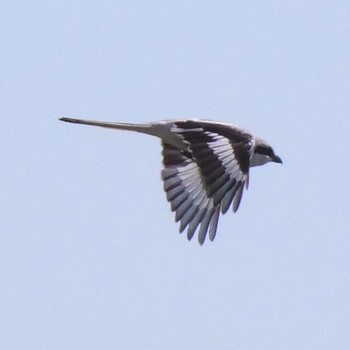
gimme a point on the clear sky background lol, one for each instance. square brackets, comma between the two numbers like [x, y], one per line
[90, 255]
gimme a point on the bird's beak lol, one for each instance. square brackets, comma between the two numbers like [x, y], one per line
[277, 159]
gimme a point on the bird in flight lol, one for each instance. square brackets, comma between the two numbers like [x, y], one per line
[205, 167]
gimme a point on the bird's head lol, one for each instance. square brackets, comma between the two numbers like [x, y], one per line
[263, 153]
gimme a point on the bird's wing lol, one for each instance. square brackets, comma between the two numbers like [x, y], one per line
[208, 177]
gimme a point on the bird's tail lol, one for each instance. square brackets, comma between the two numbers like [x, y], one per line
[143, 128]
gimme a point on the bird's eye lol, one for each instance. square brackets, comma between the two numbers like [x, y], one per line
[266, 151]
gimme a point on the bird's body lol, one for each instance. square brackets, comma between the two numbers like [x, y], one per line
[205, 167]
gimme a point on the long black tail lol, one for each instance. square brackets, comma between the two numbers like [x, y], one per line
[144, 128]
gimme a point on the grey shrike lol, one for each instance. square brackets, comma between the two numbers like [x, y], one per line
[205, 167]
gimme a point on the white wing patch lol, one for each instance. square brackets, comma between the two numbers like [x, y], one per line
[188, 198]
[202, 182]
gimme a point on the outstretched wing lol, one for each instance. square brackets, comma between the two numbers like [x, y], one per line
[207, 177]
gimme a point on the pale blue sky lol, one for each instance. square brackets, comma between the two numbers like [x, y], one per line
[90, 256]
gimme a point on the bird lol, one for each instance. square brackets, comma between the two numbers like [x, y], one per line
[205, 167]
